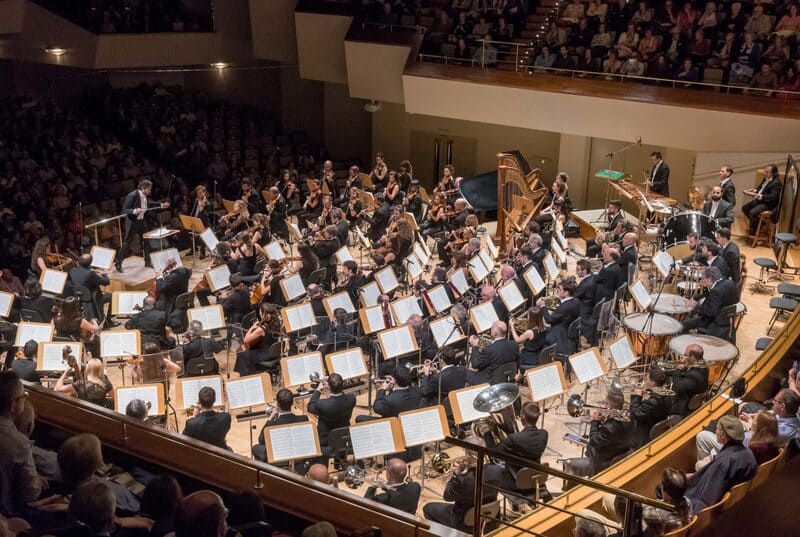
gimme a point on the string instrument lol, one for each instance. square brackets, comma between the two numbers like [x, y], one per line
[269, 325]
[312, 196]
[66, 356]
[409, 197]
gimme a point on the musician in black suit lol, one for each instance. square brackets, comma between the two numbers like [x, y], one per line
[659, 175]
[687, 380]
[721, 293]
[152, 324]
[767, 198]
[206, 424]
[711, 251]
[281, 415]
[237, 304]
[537, 253]
[609, 278]
[397, 396]
[529, 443]
[489, 294]
[647, 412]
[202, 209]
[629, 256]
[83, 275]
[585, 295]
[278, 214]
[135, 208]
[324, 248]
[35, 301]
[693, 241]
[341, 225]
[251, 197]
[398, 492]
[25, 366]
[172, 282]
[354, 281]
[334, 411]
[482, 364]
[567, 311]
[718, 208]
[436, 384]
[200, 348]
[729, 251]
[614, 216]
[726, 182]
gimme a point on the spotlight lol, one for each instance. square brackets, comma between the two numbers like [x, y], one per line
[56, 51]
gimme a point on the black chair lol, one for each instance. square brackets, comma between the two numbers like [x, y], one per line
[317, 277]
[660, 428]
[548, 354]
[340, 445]
[184, 301]
[696, 400]
[724, 320]
[504, 373]
[199, 367]
[574, 334]
[91, 309]
[248, 320]
[30, 316]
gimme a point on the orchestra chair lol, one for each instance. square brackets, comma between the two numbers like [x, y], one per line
[737, 494]
[660, 428]
[789, 290]
[620, 300]
[574, 334]
[490, 510]
[528, 486]
[200, 367]
[696, 400]
[684, 531]
[504, 373]
[30, 316]
[183, 303]
[317, 277]
[705, 515]
[248, 320]
[783, 242]
[765, 230]
[727, 315]
[783, 307]
[88, 303]
[340, 445]
[765, 265]
[765, 470]
[272, 364]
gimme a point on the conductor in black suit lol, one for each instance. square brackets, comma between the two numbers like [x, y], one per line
[719, 209]
[281, 415]
[659, 175]
[482, 364]
[398, 492]
[726, 182]
[767, 198]
[609, 278]
[334, 411]
[645, 413]
[529, 443]
[206, 424]
[134, 208]
[721, 293]
[567, 311]
[83, 275]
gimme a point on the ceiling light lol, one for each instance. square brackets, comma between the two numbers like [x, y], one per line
[56, 51]
[219, 65]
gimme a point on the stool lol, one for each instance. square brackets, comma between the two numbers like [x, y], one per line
[765, 264]
[762, 343]
[764, 230]
[789, 290]
[784, 241]
[782, 306]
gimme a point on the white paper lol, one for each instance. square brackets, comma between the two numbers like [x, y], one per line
[491, 246]
[403, 308]
[6, 300]
[482, 316]
[465, 399]
[33, 331]
[370, 293]
[295, 229]
[641, 295]
[414, 266]
[343, 254]
[459, 281]
[387, 279]
[212, 317]
[102, 258]
[559, 253]
[622, 354]
[545, 382]
[191, 388]
[374, 318]
[559, 236]
[663, 262]
[421, 253]
[274, 251]
[161, 257]
[439, 299]
[53, 281]
[362, 239]
[158, 233]
[397, 341]
[219, 277]
[349, 363]
[446, 331]
[422, 427]
[372, 439]
[511, 295]
[534, 280]
[52, 355]
[300, 368]
[340, 300]
[292, 442]
[586, 366]
[488, 262]
[126, 300]
[424, 246]
[551, 267]
[245, 392]
[293, 286]
[477, 269]
[208, 237]
[300, 316]
[146, 393]
[119, 343]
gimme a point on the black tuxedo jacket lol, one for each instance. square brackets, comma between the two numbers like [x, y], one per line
[685, 384]
[202, 347]
[729, 192]
[390, 404]
[585, 295]
[42, 304]
[529, 443]
[772, 193]
[168, 288]
[722, 265]
[236, 305]
[87, 278]
[722, 294]
[538, 261]
[607, 440]
[733, 258]
[453, 378]
[629, 256]
[485, 362]
[404, 497]
[660, 180]
[500, 309]
[612, 224]
[209, 426]
[132, 202]
[559, 322]
[724, 214]
[645, 413]
[607, 281]
[460, 490]
[151, 323]
[332, 413]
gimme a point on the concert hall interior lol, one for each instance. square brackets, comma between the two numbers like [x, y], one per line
[410, 268]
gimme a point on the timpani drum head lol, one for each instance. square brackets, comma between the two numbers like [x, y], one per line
[714, 349]
[661, 325]
[670, 304]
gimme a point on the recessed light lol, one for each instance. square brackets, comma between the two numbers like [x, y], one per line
[219, 65]
[56, 51]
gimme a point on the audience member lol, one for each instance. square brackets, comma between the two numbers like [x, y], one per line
[160, 500]
[201, 514]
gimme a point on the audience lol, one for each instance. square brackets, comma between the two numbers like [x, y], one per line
[141, 16]
[201, 514]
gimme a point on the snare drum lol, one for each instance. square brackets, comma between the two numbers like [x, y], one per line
[673, 305]
[716, 351]
[652, 339]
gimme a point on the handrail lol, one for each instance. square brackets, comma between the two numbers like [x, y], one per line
[416, 28]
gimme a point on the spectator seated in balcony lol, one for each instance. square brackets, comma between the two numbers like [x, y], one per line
[502, 31]
[482, 29]
[665, 16]
[580, 38]
[544, 59]
[736, 19]
[699, 48]
[660, 68]
[675, 46]
[723, 52]
[764, 79]
[587, 62]
[789, 25]
[777, 53]
[790, 81]
[642, 17]
[563, 59]
[628, 42]
[596, 13]
[462, 51]
[486, 54]
[759, 24]
[687, 73]
[649, 45]
[463, 28]
[633, 66]
[555, 36]
[747, 57]
[572, 14]
[387, 16]
[602, 42]
[612, 65]
[708, 20]
[687, 19]
[617, 16]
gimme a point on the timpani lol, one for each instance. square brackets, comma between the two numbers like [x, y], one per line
[716, 351]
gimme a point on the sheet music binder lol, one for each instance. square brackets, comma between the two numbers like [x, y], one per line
[120, 343]
[423, 426]
[39, 332]
[375, 438]
[588, 365]
[482, 316]
[621, 352]
[291, 442]
[296, 370]
[372, 319]
[546, 381]
[397, 341]
[461, 403]
[348, 363]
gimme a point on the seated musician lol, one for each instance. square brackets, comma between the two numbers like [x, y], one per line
[220, 255]
[279, 211]
[687, 380]
[199, 348]
[398, 493]
[260, 229]
[353, 208]
[89, 382]
[257, 343]
[83, 275]
[413, 201]
[206, 424]
[537, 253]
[352, 184]
[422, 333]
[339, 333]
[312, 207]
[610, 277]
[325, 215]
[250, 196]
[392, 192]
[288, 189]
[705, 316]
[460, 490]
[482, 364]
[614, 215]
[42, 253]
[729, 251]
[70, 323]
[398, 395]
[645, 413]
[172, 282]
[766, 198]
[354, 280]
[718, 208]
[234, 222]
[435, 217]
[34, 300]
[379, 173]
[436, 383]
[270, 284]
[332, 412]
[341, 225]
[246, 256]
[529, 443]
[315, 297]
[446, 184]
[557, 199]
[281, 415]
[693, 240]
[25, 365]
[307, 263]
[710, 251]
[379, 220]
[325, 246]
[533, 339]
[559, 321]
[400, 243]
[628, 256]
[236, 301]
[152, 323]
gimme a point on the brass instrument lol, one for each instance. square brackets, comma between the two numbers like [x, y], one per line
[619, 384]
[551, 302]
[459, 464]
[521, 323]
[498, 401]
[434, 365]
[484, 340]
[354, 476]
[673, 365]
[577, 407]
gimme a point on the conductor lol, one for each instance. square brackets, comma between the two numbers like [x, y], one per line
[134, 208]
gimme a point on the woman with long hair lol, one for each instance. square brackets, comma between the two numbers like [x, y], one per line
[236, 221]
[307, 263]
[435, 218]
[532, 338]
[89, 384]
[406, 175]
[246, 255]
[764, 441]
[258, 342]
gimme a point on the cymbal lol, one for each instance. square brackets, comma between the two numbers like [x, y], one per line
[497, 397]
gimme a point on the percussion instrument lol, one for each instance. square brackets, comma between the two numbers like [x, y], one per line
[677, 229]
[716, 351]
[673, 305]
[651, 337]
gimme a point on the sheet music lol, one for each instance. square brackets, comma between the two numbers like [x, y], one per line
[403, 308]
[487, 259]
[439, 299]
[191, 388]
[663, 262]
[208, 237]
[102, 258]
[299, 368]
[421, 253]
[274, 251]
[161, 257]
[397, 341]
[53, 281]
[459, 281]
[422, 427]
[341, 300]
[544, 382]
[148, 394]
[559, 236]
[219, 277]
[465, 399]
[477, 268]
[414, 266]
[446, 331]
[293, 286]
[295, 229]
[52, 355]
[622, 353]
[586, 366]
[559, 253]
[6, 300]
[300, 316]
[511, 295]
[33, 331]
[424, 246]
[293, 442]
[159, 233]
[245, 392]
[483, 315]
[370, 293]
[492, 247]
[211, 316]
[551, 267]
[343, 254]
[641, 295]
[387, 279]
[375, 320]
[372, 439]
[534, 280]
[118, 343]
[349, 364]
[126, 300]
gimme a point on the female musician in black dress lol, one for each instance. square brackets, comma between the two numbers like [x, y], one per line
[435, 219]
[70, 323]
[257, 344]
[533, 339]
[353, 208]
[246, 256]
[307, 263]
[89, 383]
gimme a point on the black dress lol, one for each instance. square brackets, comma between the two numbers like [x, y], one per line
[529, 356]
[246, 360]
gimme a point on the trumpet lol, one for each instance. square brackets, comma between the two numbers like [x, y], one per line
[576, 407]
[381, 380]
[459, 465]
[433, 364]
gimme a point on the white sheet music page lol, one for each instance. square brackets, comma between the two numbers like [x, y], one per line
[102, 258]
[387, 279]
[586, 366]
[53, 281]
[414, 266]
[118, 343]
[208, 237]
[219, 276]
[275, 251]
[511, 295]
[663, 262]
[341, 300]
[295, 229]
[622, 353]
[343, 254]
[422, 427]
[421, 253]
[534, 280]
[403, 308]
[191, 388]
[52, 355]
[372, 439]
[300, 368]
[148, 394]
[561, 256]
[459, 280]
[375, 321]
[294, 286]
[210, 316]
[641, 295]
[439, 299]
[446, 331]
[126, 300]
[397, 341]
[245, 392]
[483, 315]
[349, 364]
[370, 293]
[465, 399]
[487, 259]
[6, 300]
[293, 442]
[477, 268]
[562, 241]
[491, 246]
[550, 267]
[37, 332]
[161, 257]
[544, 382]
[301, 316]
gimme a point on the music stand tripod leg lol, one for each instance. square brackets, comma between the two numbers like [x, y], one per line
[544, 411]
[168, 407]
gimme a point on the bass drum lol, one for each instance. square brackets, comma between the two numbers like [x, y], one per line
[674, 239]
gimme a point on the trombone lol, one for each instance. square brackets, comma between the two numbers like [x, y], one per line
[576, 407]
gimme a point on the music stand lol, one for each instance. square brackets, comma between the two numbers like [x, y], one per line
[194, 226]
[153, 370]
